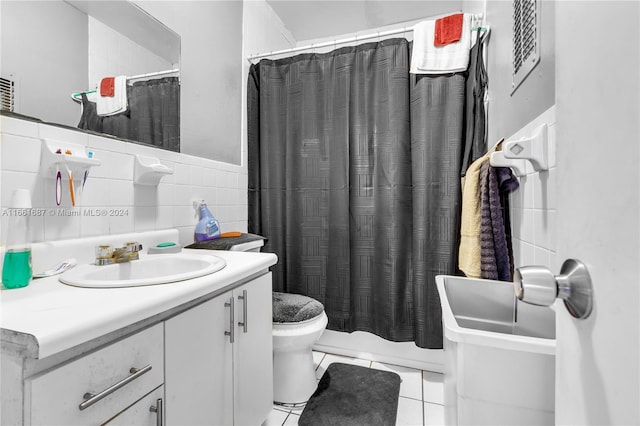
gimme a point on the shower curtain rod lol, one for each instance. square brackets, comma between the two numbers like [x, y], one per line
[331, 43]
[153, 74]
[250, 58]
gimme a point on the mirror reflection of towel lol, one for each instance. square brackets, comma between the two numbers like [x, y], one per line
[111, 105]
[107, 86]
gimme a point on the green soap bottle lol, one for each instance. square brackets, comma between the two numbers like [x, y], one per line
[16, 265]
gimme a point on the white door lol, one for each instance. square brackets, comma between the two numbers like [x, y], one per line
[597, 135]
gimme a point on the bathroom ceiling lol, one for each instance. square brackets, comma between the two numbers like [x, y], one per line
[313, 19]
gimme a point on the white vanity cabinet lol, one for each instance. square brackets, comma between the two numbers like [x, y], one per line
[96, 387]
[253, 353]
[198, 359]
[142, 355]
[218, 361]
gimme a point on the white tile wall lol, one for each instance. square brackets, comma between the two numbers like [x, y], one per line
[533, 204]
[172, 204]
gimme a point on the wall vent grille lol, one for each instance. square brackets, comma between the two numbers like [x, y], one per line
[526, 39]
[7, 94]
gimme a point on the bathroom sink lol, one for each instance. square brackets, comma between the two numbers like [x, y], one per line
[149, 270]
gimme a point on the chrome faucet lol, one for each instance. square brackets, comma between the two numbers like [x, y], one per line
[107, 255]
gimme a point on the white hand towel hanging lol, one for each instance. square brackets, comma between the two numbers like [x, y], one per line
[110, 105]
[429, 59]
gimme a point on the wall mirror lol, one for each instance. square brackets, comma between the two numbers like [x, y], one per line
[53, 49]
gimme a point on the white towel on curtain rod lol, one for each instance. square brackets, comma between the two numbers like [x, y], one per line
[426, 58]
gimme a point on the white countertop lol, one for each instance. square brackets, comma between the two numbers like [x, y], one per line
[60, 317]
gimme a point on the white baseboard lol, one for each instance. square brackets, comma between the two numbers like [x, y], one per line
[365, 345]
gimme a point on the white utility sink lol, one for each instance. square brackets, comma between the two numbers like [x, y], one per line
[149, 270]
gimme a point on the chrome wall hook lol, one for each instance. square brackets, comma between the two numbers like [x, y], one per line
[538, 286]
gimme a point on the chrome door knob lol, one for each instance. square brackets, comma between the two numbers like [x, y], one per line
[535, 285]
[538, 286]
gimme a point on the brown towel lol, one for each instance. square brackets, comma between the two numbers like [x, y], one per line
[469, 251]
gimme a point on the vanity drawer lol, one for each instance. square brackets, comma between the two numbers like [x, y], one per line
[142, 413]
[121, 370]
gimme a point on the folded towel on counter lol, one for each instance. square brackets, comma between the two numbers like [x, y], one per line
[469, 250]
[226, 243]
[111, 105]
[448, 29]
[495, 260]
[426, 58]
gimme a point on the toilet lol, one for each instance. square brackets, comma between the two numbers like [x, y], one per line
[298, 323]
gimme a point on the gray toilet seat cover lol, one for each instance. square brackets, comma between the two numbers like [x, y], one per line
[289, 307]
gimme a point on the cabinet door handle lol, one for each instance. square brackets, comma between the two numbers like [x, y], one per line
[158, 410]
[243, 323]
[91, 399]
[232, 333]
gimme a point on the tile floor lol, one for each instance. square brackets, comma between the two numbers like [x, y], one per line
[421, 393]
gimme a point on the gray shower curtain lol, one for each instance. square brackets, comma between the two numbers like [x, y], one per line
[354, 178]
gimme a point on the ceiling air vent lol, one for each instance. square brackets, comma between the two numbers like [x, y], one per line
[526, 39]
[7, 94]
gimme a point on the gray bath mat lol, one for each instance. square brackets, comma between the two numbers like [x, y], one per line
[350, 395]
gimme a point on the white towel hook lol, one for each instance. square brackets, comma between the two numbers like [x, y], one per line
[534, 149]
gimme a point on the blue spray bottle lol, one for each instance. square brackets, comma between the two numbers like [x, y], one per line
[208, 228]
